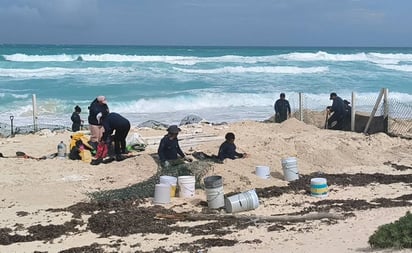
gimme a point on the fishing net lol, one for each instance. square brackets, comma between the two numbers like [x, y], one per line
[145, 189]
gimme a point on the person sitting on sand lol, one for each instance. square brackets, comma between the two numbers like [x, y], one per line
[169, 148]
[77, 121]
[228, 148]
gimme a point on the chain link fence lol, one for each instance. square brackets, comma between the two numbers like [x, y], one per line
[308, 108]
[398, 122]
[400, 119]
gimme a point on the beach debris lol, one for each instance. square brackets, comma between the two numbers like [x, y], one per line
[191, 119]
[153, 124]
[136, 142]
[397, 166]
[45, 133]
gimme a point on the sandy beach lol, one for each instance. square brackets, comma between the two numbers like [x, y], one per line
[45, 204]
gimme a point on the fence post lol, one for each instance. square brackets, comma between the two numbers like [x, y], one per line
[300, 106]
[353, 113]
[375, 108]
[34, 112]
[386, 108]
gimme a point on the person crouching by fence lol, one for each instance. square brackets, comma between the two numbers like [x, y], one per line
[169, 148]
[338, 110]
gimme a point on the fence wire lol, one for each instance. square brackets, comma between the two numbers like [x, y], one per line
[308, 108]
[400, 119]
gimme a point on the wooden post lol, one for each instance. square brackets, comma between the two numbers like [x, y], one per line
[300, 106]
[353, 113]
[34, 112]
[386, 109]
[375, 108]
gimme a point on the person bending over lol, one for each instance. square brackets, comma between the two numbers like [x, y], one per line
[228, 148]
[169, 148]
[121, 126]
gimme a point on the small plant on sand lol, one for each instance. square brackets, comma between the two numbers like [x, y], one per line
[394, 235]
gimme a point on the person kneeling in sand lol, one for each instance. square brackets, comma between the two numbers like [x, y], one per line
[228, 149]
[169, 148]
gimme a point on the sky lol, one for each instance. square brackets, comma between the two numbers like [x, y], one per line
[208, 22]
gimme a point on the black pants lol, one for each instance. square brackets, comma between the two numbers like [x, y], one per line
[75, 127]
[279, 118]
[339, 122]
[120, 139]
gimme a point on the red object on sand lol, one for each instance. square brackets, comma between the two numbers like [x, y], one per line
[102, 150]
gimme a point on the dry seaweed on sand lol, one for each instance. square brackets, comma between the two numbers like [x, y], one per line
[146, 188]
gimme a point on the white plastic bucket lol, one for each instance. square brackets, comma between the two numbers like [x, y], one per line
[319, 187]
[215, 197]
[290, 168]
[186, 186]
[172, 181]
[263, 172]
[242, 202]
[162, 194]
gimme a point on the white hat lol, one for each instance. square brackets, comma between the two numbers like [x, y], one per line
[101, 99]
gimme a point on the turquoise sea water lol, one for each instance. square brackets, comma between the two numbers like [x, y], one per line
[167, 83]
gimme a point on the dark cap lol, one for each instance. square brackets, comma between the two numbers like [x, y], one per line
[282, 95]
[332, 95]
[173, 129]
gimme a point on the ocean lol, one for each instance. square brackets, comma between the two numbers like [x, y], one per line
[220, 84]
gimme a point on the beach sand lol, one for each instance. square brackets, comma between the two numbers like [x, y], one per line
[36, 195]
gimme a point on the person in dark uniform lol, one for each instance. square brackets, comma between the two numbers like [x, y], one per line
[114, 122]
[169, 148]
[228, 148]
[282, 109]
[348, 116]
[97, 109]
[338, 110]
[77, 121]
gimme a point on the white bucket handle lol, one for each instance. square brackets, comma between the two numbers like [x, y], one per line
[216, 195]
[184, 186]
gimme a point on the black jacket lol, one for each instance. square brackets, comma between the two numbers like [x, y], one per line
[228, 150]
[282, 107]
[76, 122]
[114, 121]
[168, 149]
[338, 107]
[94, 109]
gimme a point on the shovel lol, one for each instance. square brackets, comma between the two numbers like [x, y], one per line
[327, 117]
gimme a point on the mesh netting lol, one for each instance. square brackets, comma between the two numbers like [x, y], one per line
[399, 122]
[146, 188]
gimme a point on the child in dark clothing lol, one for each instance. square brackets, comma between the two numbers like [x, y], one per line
[77, 122]
[228, 148]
